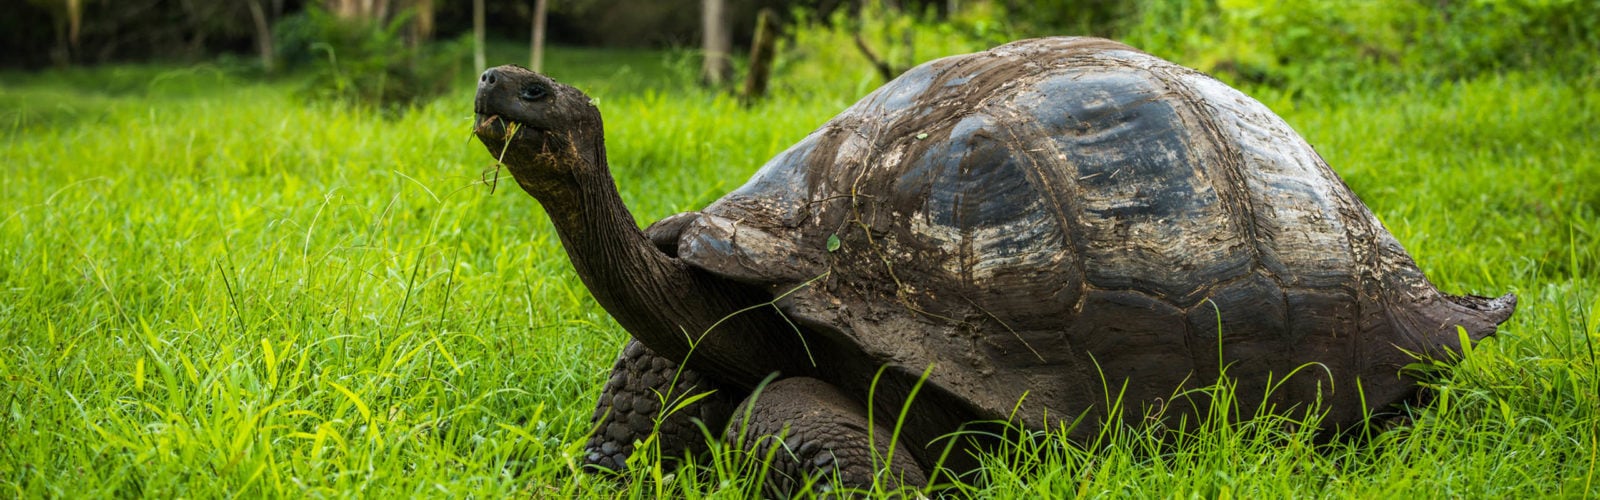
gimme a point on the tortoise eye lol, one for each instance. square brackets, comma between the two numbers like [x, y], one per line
[534, 92]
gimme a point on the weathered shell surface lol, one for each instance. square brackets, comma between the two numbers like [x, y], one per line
[1065, 218]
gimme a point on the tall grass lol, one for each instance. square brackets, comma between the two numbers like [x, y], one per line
[210, 288]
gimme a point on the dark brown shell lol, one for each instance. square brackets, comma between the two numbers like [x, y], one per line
[1066, 219]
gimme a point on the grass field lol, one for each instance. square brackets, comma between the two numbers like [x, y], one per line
[211, 288]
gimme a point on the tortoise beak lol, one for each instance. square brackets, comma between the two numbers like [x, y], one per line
[488, 126]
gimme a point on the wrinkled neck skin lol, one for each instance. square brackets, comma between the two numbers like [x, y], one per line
[658, 299]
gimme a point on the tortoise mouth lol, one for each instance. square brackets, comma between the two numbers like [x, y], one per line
[497, 127]
[489, 126]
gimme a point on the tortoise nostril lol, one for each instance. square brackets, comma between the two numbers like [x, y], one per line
[489, 77]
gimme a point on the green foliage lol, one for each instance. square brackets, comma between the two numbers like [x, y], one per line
[1080, 17]
[1312, 48]
[367, 62]
[821, 55]
[1321, 45]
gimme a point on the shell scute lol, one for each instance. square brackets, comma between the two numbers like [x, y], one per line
[1138, 180]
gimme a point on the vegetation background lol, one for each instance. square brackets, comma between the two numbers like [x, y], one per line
[223, 274]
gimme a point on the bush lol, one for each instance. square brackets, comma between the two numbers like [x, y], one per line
[1333, 44]
[822, 53]
[367, 62]
[1305, 47]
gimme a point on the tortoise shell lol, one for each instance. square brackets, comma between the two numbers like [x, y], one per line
[1069, 222]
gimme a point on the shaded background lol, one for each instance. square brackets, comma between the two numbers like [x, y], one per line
[40, 33]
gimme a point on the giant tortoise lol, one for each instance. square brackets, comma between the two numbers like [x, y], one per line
[1058, 232]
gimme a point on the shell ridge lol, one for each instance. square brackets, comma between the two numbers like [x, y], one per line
[1376, 263]
[1241, 207]
[1064, 207]
[889, 138]
[1231, 165]
[1067, 209]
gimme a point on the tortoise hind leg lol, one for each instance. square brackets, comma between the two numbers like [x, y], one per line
[809, 430]
[630, 409]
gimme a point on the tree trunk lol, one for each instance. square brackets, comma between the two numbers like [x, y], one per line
[715, 42]
[263, 34]
[360, 10]
[892, 12]
[422, 24]
[342, 9]
[479, 60]
[885, 67]
[884, 71]
[761, 49]
[74, 23]
[378, 10]
[536, 52]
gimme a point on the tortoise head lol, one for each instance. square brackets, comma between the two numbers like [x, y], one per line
[546, 133]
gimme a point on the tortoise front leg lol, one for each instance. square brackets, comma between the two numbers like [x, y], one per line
[631, 404]
[813, 431]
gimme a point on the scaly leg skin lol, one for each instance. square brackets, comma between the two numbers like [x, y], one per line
[631, 403]
[819, 433]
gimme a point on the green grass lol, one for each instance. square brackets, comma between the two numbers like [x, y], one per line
[210, 288]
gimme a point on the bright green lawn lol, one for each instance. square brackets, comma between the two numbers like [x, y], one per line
[211, 288]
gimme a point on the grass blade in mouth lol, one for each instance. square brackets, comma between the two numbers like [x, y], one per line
[499, 160]
[486, 121]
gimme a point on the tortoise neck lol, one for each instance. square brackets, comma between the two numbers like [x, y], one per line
[663, 302]
[627, 275]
